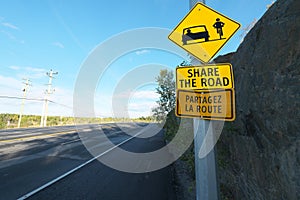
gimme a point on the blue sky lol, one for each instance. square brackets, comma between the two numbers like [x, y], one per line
[36, 36]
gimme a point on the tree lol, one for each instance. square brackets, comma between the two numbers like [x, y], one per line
[166, 90]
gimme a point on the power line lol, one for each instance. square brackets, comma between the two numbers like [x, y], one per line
[34, 99]
[14, 97]
[41, 100]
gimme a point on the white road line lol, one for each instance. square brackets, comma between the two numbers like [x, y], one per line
[69, 142]
[75, 169]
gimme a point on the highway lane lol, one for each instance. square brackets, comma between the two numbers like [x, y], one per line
[29, 132]
[31, 162]
[27, 165]
[97, 181]
[21, 142]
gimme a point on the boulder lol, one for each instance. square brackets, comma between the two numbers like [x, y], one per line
[259, 153]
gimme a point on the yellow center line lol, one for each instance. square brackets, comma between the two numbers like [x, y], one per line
[38, 136]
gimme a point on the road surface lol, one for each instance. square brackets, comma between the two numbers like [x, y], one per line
[31, 158]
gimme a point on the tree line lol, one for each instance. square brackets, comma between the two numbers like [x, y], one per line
[11, 120]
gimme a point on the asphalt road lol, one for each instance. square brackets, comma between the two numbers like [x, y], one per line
[30, 158]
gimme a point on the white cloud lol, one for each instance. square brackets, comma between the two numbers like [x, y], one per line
[14, 67]
[61, 102]
[9, 35]
[10, 87]
[145, 94]
[140, 94]
[140, 52]
[142, 102]
[12, 37]
[8, 83]
[141, 106]
[130, 103]
[60, 105]
[9, 25]
[29, 72]
[58, 44]
[34, 69]
[139, 109]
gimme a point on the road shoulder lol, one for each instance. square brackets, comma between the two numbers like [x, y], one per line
[183, 181]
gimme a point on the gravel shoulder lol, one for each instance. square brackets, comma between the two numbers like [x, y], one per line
[184, 183]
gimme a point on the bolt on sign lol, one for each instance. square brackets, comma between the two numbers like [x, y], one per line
[203, 32]
[211, 105]
[206, 77]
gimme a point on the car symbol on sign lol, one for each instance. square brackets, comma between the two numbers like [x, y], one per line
[194, 33]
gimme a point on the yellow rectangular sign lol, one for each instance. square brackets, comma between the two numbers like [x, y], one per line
[218, 76]
[211, 105]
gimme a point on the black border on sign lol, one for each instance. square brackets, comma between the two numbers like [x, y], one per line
[207, 65]
[231, 118]
[213, 11]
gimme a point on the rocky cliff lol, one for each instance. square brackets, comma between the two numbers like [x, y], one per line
[259, 153]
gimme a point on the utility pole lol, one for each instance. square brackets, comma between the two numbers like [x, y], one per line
[193, 2]
[48, 92]
[205, 168]
[23, 100]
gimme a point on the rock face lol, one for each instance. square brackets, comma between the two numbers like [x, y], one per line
[259, 153]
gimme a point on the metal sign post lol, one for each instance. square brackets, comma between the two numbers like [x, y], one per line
[205, 168]
[204, 91]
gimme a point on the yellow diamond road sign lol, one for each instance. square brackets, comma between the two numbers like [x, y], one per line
[203, 32]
